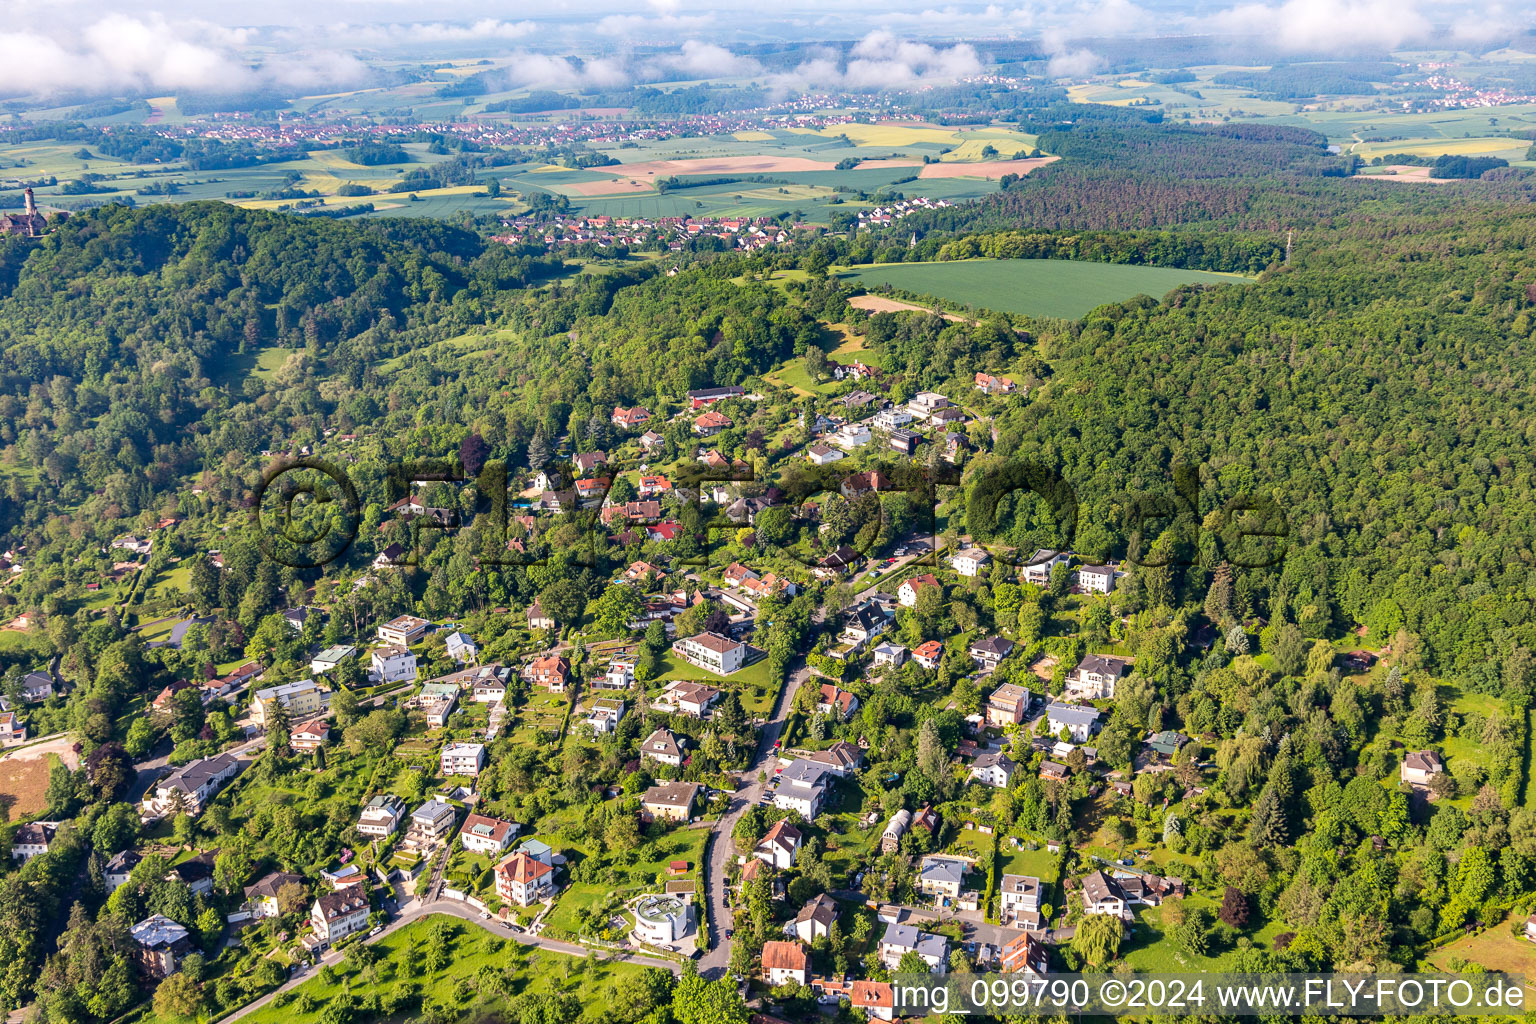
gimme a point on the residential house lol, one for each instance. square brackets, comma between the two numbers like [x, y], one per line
[11, 729]
[310, 735]
[1097, 579]
[708, 396]
[523, 879]
[863, 624]
[303, 699]
[928, 654]
[1079, 722]
[118, 869]
[821, 454]
[662, 746]
[924, 404]
[436, 701]
[161, 945]
[876, 998]
[629, 419]
[335, 915]
[588, 462]
[969, 561]
[894, 655]
[671, 801]
[1054, 771]
[550, 672]
[836, 701]
[802, 788]
[713, 652]
[910, 588]
[689, 698]
[605, 716]
[296, 617]
[836, 564]
[380, 817]
[841, 758]
[903, 441]
[989, 651]
[653, 486]
[461, 647]
[32, 839]
[1103, 895]
[490, 836]
[901, 939]
[987, 383]
[816, 919]
[393, 664]
[1096, 676]
[993, 768]
[651, 441]
[785, 962]
[330, 658]
[231, 681]
[852, 435]
[403, 630]
[1420, 767]
[891, 419]
[1166, 744]
[261, 898]
[1038, 569]
[537, 619]
[1025, 954]
[779, 847]
[434, 819]
[711, 423]
[1007, 706]
[462, 759]
[191, 786]
[941, 876]
[1019, 904]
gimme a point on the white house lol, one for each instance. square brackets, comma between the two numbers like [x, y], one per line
[1097, 579]
[816, 918]
[490, 836]
[1020, 901]
[993, 768]
[785, 962]
[1079, 722]
[718, 654]
[380, 817]
[802, 788]
[330, 658]
[890, 654]
[461, 647]
[968, 561]
[1095, 677]
[524, 879]
[822, 453]
[1420, 767]
[394, 663]
[462, 759]
[779, 847]
[191, 786]
[893, 418]
[662, 746]
[910, 588]
[403, 630]
[901, 939]
[852, 435]
[336, 915]
[1038, 569]
[1102, 895]
[605, 716]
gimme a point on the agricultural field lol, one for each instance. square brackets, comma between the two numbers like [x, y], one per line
[1055, 288]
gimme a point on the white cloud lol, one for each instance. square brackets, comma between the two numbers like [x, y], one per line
[1326, 25]
[883, 60]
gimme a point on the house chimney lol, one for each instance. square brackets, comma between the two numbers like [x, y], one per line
[31, 203]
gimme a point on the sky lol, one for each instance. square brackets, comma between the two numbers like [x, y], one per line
[165, 46]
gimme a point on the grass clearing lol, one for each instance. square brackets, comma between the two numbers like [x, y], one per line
[1057, 288]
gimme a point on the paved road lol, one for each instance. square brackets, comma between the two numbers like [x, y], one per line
[717, 958]
[417, 910]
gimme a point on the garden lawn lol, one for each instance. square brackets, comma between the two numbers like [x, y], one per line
[473, 948]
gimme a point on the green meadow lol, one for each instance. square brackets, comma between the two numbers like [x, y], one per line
[1056, 288]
